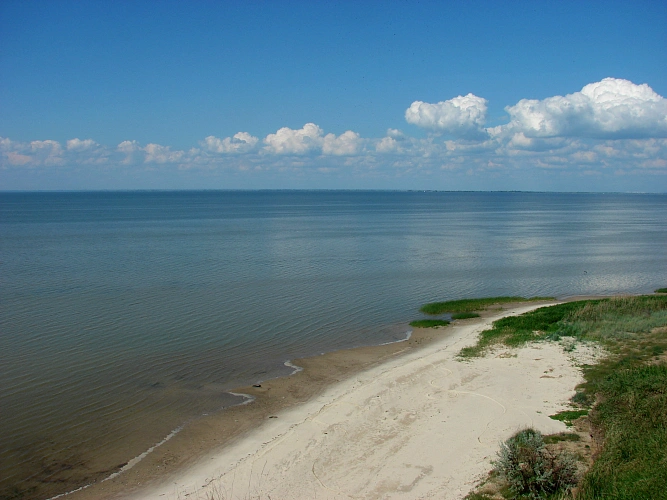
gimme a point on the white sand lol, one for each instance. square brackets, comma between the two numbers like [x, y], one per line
[422, 425]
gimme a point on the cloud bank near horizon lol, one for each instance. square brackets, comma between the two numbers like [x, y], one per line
[610, 126]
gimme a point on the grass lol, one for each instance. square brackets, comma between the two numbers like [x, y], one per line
[560, 437]
[569, 416]
[632, 418]
[429, 323]
[478, 496]
[612, 322]
[517, 330]
[661, 290]
[469, 305]
[466, 315]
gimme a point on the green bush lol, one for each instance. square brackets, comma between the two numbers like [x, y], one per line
[531, 470]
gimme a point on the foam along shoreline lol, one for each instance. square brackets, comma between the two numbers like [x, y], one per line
[129, 465]
[247, 399]
[412, 426]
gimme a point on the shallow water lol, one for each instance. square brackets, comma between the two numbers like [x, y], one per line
[123, 315]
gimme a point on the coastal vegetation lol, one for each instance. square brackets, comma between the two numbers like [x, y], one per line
[465, 315]
[470, 305]
[623, 397]
[569, 416]
[532, 470]
[612, 322]
[661, 290]
[432, 323]
[631, 423]
[429, 323]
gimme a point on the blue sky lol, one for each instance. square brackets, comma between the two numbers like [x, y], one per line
[402, 95]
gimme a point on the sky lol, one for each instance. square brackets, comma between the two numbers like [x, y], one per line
[474, 95]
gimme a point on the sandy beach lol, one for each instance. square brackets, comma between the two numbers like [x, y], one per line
[405, 420]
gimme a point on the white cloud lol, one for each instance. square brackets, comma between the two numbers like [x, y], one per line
[609, 126]
[155, 153]
[463, 116]
[290, 141]
[520, 141]
[310, 139]
[612, 108]
[348, 143]
[128, 146]
[133, 153]
[241, 142]
[386, 145]
[46, 147]
[47, 152]
[79, 145]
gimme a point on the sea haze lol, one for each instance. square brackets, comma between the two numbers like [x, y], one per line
[123, 315]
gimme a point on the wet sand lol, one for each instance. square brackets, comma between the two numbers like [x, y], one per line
[165, 471]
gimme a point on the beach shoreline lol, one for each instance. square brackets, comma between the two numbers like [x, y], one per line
[197, 453]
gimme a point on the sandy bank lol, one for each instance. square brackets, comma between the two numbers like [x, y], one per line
[418, 425]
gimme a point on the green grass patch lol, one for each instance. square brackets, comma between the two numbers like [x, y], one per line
[661, 290]
[613, 322]
[632, 416]
[517, 330]
[428, 323]
[466, 315]
[568, 416]
[469, 305]
[562, 436]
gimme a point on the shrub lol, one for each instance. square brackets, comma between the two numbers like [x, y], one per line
[531, 470]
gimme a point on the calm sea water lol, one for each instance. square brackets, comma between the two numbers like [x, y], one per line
[125, 314]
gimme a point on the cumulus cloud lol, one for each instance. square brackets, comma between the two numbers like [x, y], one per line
[130, 151]
[155, 153]
[13, 153]
[348, 143]
[79, 145]
[609, 109]
[608, 127]
[386, 145]
[310, 139]
[463, 116]
[241, 142]
[290, 141]
[31, 154]
[47, 152]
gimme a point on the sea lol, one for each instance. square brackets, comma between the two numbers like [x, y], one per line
[126, 315]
